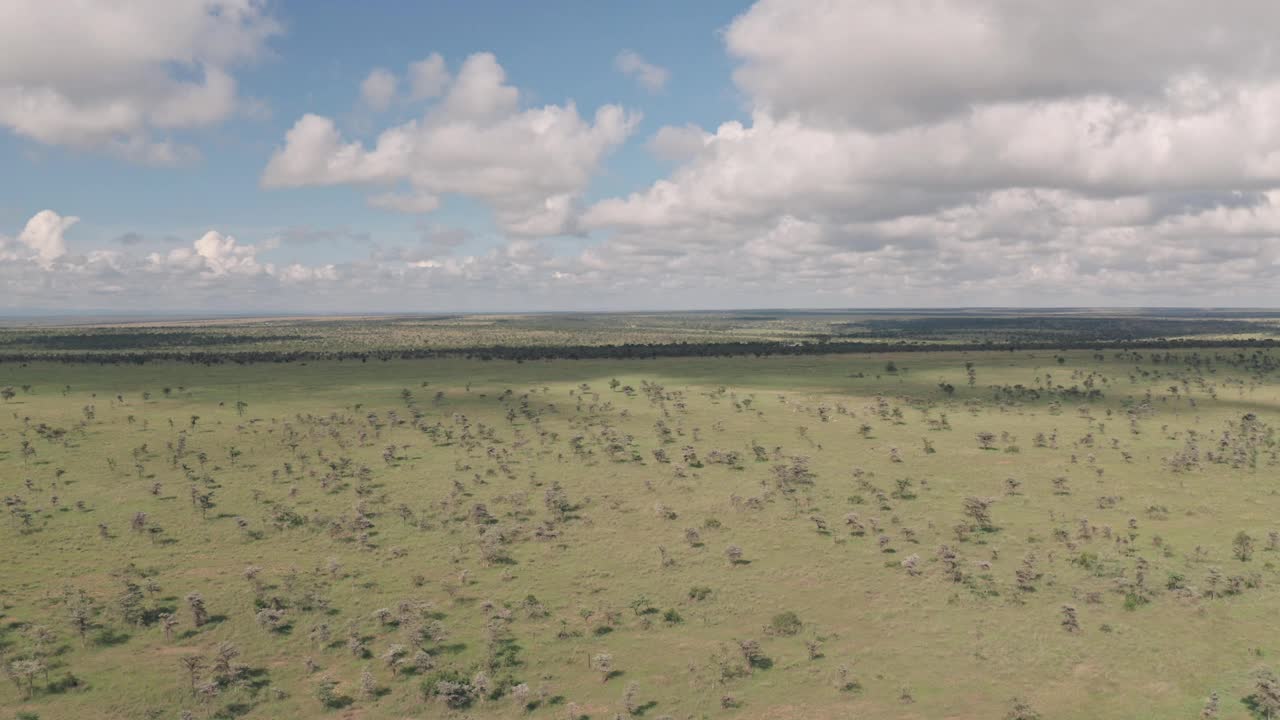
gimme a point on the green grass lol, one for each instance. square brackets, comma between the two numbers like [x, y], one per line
[958, 649]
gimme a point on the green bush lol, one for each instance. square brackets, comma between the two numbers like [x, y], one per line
[786, 623]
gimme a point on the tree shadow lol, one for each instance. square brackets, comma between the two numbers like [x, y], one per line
[1256, 708]
[110, 637]
[65, 683]
[258, 679]
[340, 702]
[152, 615]
[234, 710]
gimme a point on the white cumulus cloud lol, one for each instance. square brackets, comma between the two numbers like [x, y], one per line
[110, 76]
[973, 151]
[379, 89]
[529, 165]
[43, 235]
[428, 77]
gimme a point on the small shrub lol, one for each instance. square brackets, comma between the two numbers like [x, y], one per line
[785, 623]
[450, 685]
[699, 593]
[1133, 601]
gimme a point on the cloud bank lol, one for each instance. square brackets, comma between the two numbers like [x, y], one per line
[959, 152]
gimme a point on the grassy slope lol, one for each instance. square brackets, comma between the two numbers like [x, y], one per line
[959, 655]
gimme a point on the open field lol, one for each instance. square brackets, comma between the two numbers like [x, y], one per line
[913, 535]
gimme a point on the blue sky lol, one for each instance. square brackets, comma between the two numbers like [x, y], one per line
[552, 51]
[282, 156]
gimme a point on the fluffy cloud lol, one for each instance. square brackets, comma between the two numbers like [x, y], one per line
[1017, 246]
[678, 143]
[1093, 145]
[974, 151]
[213, 272]
[428, 77]
[1008, 247]
[213, 255]
[651, 77]
[890, 63]
[949, 152]
[43, 236]
[529, 165]
[379, 89]
[156, 66]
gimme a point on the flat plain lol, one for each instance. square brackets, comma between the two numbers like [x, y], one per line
[1072, 533]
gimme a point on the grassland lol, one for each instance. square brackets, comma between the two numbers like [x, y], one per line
[536, 557]
[613, 335]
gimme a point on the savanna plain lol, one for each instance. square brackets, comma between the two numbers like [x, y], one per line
[1071, 524]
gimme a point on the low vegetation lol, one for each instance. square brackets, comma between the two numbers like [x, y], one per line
[1019, 534]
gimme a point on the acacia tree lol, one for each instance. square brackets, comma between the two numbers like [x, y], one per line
[603, 664]
[752, 655]
[979, 511]
[1026, 575]
[1210, 710]
[327, 691]
[199, 614]
[395, 657]
[368, 685]
[193, 664]
[1070, 622]
[813, 646]
[168, 621]
[27, 670]
[131, 602]
[1242, 546]
[224, 666]
[631, 698]
[1265, 699]
[80, 615]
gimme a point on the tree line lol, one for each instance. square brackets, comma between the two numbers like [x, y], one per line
[627, 351]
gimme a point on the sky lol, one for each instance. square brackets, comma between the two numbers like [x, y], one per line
[280, 156]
